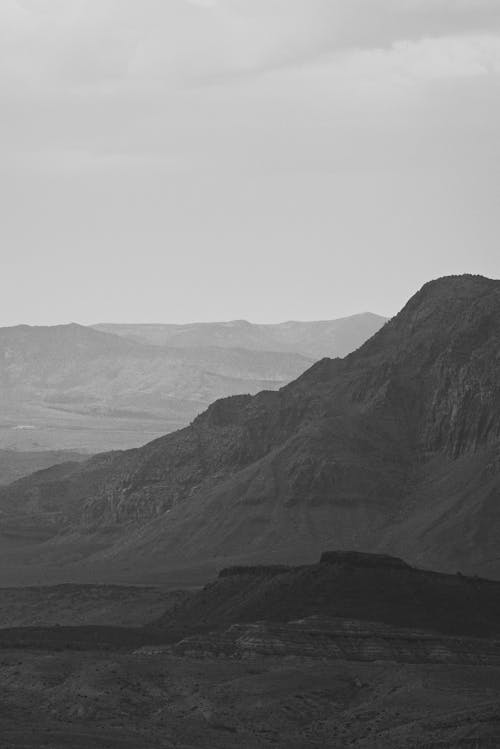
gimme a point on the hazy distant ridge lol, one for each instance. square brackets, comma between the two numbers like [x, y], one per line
[75, 387]
[312, 339]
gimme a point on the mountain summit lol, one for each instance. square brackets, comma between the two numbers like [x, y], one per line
[394, 449]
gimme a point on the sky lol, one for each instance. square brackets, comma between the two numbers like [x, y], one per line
[195, 160]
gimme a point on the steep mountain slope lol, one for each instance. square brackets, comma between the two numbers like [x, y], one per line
[312, 339]
[394, 448]
[71, 386]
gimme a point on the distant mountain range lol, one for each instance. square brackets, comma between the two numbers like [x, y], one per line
[79, 388]
[314, 340]
[393, 449]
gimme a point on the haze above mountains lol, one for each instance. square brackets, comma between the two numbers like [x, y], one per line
[393, 448]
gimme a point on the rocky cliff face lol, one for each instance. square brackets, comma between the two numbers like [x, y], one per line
[338, 639]
[394, 448]
[350, 606]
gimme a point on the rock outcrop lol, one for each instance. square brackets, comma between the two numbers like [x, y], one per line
[339, 639]
[357, 587]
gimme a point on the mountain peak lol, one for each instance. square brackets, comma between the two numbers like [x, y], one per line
[459, 291]
[467, 283]
[440, 312]
[459, 303]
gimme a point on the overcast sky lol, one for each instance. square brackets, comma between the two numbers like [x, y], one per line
[180, 160]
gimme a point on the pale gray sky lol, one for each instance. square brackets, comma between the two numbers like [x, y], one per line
[175, 160]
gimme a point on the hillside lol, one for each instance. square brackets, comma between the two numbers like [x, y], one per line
[15, 464]
[79, 388]
[342, 586]
[126, 700]
[394, 448]
[383, 655]
[314, 340]
[84, 605]
[72, 387]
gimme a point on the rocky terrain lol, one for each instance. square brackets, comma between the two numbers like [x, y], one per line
[85, 605]
[350, 606]
[340, 639]
[115, 700]
[349, 585]
[393, 449]
[352, 672]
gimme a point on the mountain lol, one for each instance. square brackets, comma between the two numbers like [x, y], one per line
[79, 388]
[15, 464]
[393, 449]
[74, 387]
[311, 339]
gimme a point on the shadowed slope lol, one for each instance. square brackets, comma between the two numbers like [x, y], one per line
[393, 448]
[348, 586]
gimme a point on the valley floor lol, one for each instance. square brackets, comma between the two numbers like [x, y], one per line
[106, 701]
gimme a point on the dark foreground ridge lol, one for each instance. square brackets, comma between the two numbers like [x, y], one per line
[350, 606]
[357, 650]
[343, 586]
[347, 558]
